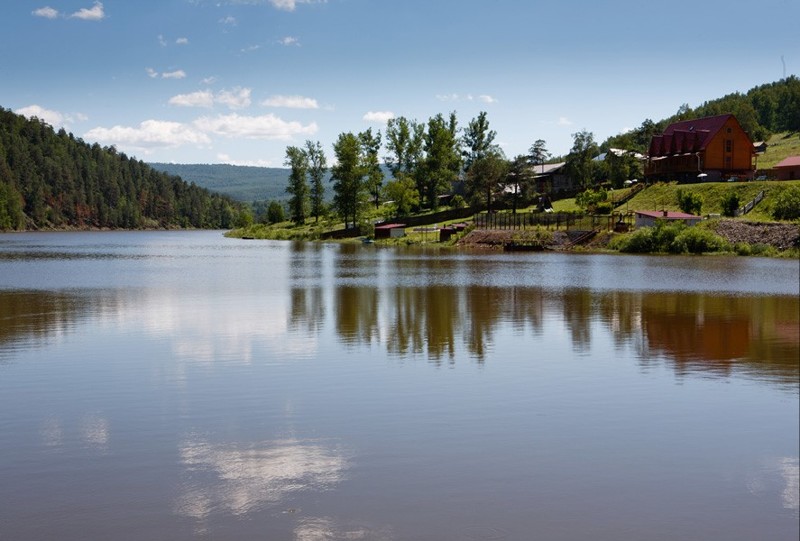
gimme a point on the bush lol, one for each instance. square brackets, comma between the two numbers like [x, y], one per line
[275, 213]
[689, 202]
[458, 202]
[730, 204]
[695, 240]
[603, 208]
[787, 204]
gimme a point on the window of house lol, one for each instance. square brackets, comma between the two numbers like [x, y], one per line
[728, 145]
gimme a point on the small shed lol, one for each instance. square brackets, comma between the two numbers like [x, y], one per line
[788, 169]
[648, 218]
[386, 231]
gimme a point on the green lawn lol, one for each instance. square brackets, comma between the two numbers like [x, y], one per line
[779, 146]
[663, 196]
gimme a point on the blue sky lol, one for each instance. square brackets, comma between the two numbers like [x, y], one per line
[237, 81]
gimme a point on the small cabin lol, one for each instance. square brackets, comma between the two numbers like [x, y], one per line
[788, 169]
[390, 231]
[648, 218]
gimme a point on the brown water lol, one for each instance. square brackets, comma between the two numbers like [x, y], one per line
[188, 386]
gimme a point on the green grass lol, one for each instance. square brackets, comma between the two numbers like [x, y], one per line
[779, 146]
[663, 196]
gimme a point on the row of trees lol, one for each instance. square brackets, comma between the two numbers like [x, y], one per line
[50, 179]
[424, 160]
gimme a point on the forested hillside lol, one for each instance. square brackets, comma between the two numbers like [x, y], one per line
[762, 111]
[55, 180]
[243, 183]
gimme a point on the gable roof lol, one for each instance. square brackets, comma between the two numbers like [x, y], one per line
[688, 136]
[668, 214]
[791, 161]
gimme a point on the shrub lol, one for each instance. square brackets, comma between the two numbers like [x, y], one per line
[730, 204]
[689, 202]
[458, 202]
[603, 208]
[787, 204]
[695, 240]
[275, 213]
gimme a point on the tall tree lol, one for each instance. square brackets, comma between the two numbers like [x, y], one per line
[297, 161]
[539, 153]
[478, 140]
[404, 139]
[579, 160]
[487, 176]
[317, 167]
[348, 178]
[520, 179]
[371, 145]
[442, 159]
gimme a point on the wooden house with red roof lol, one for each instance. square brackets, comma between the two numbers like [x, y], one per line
[710, 148]
[788, 169]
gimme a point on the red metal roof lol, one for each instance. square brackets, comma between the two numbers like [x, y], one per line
[389, 226]
[791, 161]
[687, 135]
[668, 215]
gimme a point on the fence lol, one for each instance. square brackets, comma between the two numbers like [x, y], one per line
[748, 207]
[550, 220]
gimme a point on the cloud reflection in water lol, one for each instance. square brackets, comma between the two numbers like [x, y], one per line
[238, 479]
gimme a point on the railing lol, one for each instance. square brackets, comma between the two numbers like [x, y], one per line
[748, 207]
[548, 220]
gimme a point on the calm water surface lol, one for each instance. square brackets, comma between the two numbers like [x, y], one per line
[187, 386]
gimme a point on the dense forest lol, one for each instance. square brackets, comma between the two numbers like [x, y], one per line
[52, 179]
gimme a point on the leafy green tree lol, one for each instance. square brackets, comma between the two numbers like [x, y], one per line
[371, 145]
[348, 178]
[787, 204]
[579, 164]
[275, 213]
[478, 140]
[519, 181]
[442, 159]
[730, 203]
[403, 194]
[689, 202]
[404, 139]
[297, 160]
[487, 176]
[538, 153]
[317, 167]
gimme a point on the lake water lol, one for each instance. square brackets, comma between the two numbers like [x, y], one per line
[180, 385]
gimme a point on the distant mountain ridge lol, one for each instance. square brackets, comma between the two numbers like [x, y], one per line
[240, 182]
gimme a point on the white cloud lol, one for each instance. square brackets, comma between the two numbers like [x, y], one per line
[202, 98]
[289, 41]
[454, 97]
[162, 41]
[564, 121]
[177, 74]
[250, 48]
[151, 73]
[378, 116]
[54, 118]
[254, 127]
[485, 98]
[238, 98]
[291, 5]
[209, 80]
[47, 12]
[148, 135]
[228, 21]
[291, 102]
[225, 158]
[95, 13]
[182, 41]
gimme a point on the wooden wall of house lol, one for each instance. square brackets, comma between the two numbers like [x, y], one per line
[737, 156]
